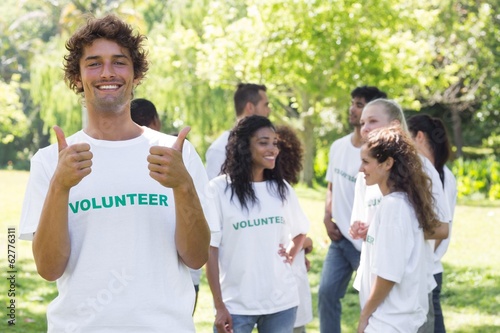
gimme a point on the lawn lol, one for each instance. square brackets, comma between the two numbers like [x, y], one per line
[471, 291]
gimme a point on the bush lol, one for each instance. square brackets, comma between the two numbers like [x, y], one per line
[477, 178]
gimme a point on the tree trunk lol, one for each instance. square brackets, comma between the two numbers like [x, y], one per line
[309, 142]
[457, 130]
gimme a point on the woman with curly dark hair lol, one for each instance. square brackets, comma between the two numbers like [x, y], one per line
[259, 213]
[393, 288]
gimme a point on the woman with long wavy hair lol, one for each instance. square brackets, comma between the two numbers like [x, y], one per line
[249, 270]
[393, 288]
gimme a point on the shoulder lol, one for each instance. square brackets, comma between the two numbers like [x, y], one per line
[220, 142]
[220, 182]
[52, 149]
[396, 201]
[345, 140]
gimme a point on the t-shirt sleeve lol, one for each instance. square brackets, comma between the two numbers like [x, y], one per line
[441, 204]
[215, 158]
[299, 223]
[358, 207]
[215, 199]
[200, 180]
[36, 191]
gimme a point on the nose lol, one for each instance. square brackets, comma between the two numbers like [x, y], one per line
[107, 70]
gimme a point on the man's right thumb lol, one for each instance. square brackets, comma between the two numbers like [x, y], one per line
[61, 139]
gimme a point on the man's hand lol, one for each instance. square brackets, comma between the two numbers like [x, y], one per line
[332, 230]
[223, 321]
[74, 162]
[166, 165]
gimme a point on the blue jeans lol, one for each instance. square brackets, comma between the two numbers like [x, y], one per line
[436, 300]
[279, 322]
[341, 260]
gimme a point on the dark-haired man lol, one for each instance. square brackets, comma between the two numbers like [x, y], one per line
[249, 99]
[115, 210]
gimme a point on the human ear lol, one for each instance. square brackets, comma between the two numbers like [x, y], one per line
[388, 163]
[249, 109]
[395, 122]
[420, 137]
[78, 83]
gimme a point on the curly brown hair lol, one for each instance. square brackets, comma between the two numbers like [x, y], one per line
[291, 153]
[111, 28]
[407, 174]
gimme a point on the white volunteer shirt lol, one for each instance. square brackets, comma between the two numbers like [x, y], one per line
[124, 273]
[253, 277]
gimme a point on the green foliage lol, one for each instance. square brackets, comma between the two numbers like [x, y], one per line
[310, 54]
[477, 178]
[13, 122]
[493, 142]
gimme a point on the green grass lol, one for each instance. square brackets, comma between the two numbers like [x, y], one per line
[471, 291]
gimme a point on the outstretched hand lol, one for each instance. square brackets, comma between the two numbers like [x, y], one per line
[74, 161]
[165, 163]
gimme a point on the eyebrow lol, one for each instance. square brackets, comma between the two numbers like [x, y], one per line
[116, 56]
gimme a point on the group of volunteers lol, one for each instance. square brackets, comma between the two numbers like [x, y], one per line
[131, 267]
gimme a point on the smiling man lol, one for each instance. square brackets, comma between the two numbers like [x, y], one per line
[120, 267]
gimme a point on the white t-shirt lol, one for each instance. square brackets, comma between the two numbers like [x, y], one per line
[442, 209]
[216, 155]
[450, 192]
[368, 198]
[254, 279]
[304, 310]
[343, 166]
[395, 250]
[124, 273]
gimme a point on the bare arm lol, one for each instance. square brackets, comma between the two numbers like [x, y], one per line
[331, 228]
[223, 320]
[192, 235]
[380, 289]
[440, 232]
[51, 243]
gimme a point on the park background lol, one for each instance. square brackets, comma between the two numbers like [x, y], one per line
[441, 58]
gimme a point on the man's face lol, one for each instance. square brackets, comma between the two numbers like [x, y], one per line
[357, 105]
[107, 76]
[262, 107]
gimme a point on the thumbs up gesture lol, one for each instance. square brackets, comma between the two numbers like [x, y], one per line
[74, 162]
[166, 165]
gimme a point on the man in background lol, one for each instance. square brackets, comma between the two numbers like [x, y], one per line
[249, 99]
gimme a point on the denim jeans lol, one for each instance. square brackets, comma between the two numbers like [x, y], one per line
[436, 301]
[341, 261]
[279, 322]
